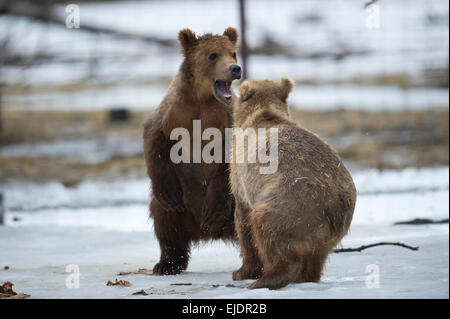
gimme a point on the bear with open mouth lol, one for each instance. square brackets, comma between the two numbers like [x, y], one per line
[192, 201]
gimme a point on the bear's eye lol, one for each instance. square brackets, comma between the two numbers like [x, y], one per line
[213, 56]
[234, 55]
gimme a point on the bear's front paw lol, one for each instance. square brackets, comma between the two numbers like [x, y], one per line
[247, 273]
[167, 268]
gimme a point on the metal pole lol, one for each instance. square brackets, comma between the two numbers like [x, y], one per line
[243, 39]
[1, 118]
[1, 66]
[2, 210]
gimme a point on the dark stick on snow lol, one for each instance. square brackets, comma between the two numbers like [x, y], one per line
[361, 248]
[422, 221]
[370, 3]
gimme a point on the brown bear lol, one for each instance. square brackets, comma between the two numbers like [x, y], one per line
[192, 201]
[287, 221]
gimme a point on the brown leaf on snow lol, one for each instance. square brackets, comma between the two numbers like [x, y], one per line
[17, 296]
[182, 284]
[122, 283]
[6, 292]
[140, 271]
[6, 288]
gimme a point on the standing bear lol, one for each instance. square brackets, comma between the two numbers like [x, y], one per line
[288, 220]
[192, 201]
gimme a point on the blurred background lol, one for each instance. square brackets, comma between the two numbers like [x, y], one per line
[371, 79]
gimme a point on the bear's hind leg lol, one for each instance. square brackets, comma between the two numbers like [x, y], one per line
[277, 275]
[251, 264]
[312, 265]
[173, 231]
[281, 265]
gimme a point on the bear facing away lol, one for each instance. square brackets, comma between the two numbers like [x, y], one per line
[192, 201]
[289, 221]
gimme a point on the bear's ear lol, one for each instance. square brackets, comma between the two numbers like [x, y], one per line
[286, 86]
[246, 91]
[232, 34]
[187, 40]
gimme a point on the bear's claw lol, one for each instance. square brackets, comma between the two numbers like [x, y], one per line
[244, 273]
[167, 268]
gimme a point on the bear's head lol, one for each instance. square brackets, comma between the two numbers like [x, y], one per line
[211, 63]
[266, 94]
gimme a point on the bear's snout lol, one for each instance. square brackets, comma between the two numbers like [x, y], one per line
[236, 71]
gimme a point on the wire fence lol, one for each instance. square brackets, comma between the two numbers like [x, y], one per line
[342, 54]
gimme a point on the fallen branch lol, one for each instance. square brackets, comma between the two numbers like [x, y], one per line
[141, 271]
[182, 284]
[368, 4]
[422, 221]
[122, 283]
[361, 248]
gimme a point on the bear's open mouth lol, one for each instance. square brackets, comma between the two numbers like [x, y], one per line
[223, 90]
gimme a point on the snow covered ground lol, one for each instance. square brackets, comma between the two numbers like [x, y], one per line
[104, 229]
[38, 257]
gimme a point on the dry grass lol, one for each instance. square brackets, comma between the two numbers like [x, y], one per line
[41, 169]
[373, 139]
[394, 139]
[38, 126]
[429, 78]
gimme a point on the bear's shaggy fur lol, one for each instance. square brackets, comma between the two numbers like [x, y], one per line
[192, 201]
[287, 222]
